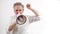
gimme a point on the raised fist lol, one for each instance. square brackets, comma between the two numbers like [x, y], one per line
[28, 6]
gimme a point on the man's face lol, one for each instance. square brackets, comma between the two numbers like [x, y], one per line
[18, 9]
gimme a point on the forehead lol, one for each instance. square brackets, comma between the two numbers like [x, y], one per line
[18, 7]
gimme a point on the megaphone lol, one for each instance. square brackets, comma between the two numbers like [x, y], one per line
[21, 19]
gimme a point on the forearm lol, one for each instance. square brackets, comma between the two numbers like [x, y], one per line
[35, 12]
[11, 27]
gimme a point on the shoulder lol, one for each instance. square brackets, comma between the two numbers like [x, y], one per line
[13, 16]
[27, 15]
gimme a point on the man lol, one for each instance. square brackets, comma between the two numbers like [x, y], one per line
[21, 29]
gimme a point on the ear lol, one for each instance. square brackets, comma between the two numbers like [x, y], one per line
[23, 9]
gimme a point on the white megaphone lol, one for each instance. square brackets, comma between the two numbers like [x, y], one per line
[21, 19]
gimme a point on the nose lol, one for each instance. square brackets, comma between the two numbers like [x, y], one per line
[17, 12]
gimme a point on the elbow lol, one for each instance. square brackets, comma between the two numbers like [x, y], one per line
[37, 14]
[9, 29]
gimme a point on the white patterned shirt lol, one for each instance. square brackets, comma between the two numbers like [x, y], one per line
[21, 29]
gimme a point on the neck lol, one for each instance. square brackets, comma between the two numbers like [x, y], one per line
[18, 14]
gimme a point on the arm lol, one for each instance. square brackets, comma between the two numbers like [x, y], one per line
[33, 10]
[33, 18]
[11, 27]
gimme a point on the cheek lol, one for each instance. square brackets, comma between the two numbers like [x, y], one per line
[16, 12]
[21, 11]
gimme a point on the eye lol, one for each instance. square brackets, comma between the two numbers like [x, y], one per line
[16, 10]
[20, 10]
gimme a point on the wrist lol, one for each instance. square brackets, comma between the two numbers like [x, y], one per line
[30, 8]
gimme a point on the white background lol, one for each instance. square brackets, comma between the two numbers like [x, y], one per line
[49, 10]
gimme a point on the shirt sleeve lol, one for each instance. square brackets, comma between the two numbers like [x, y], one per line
[13, 19]
[33, 18]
